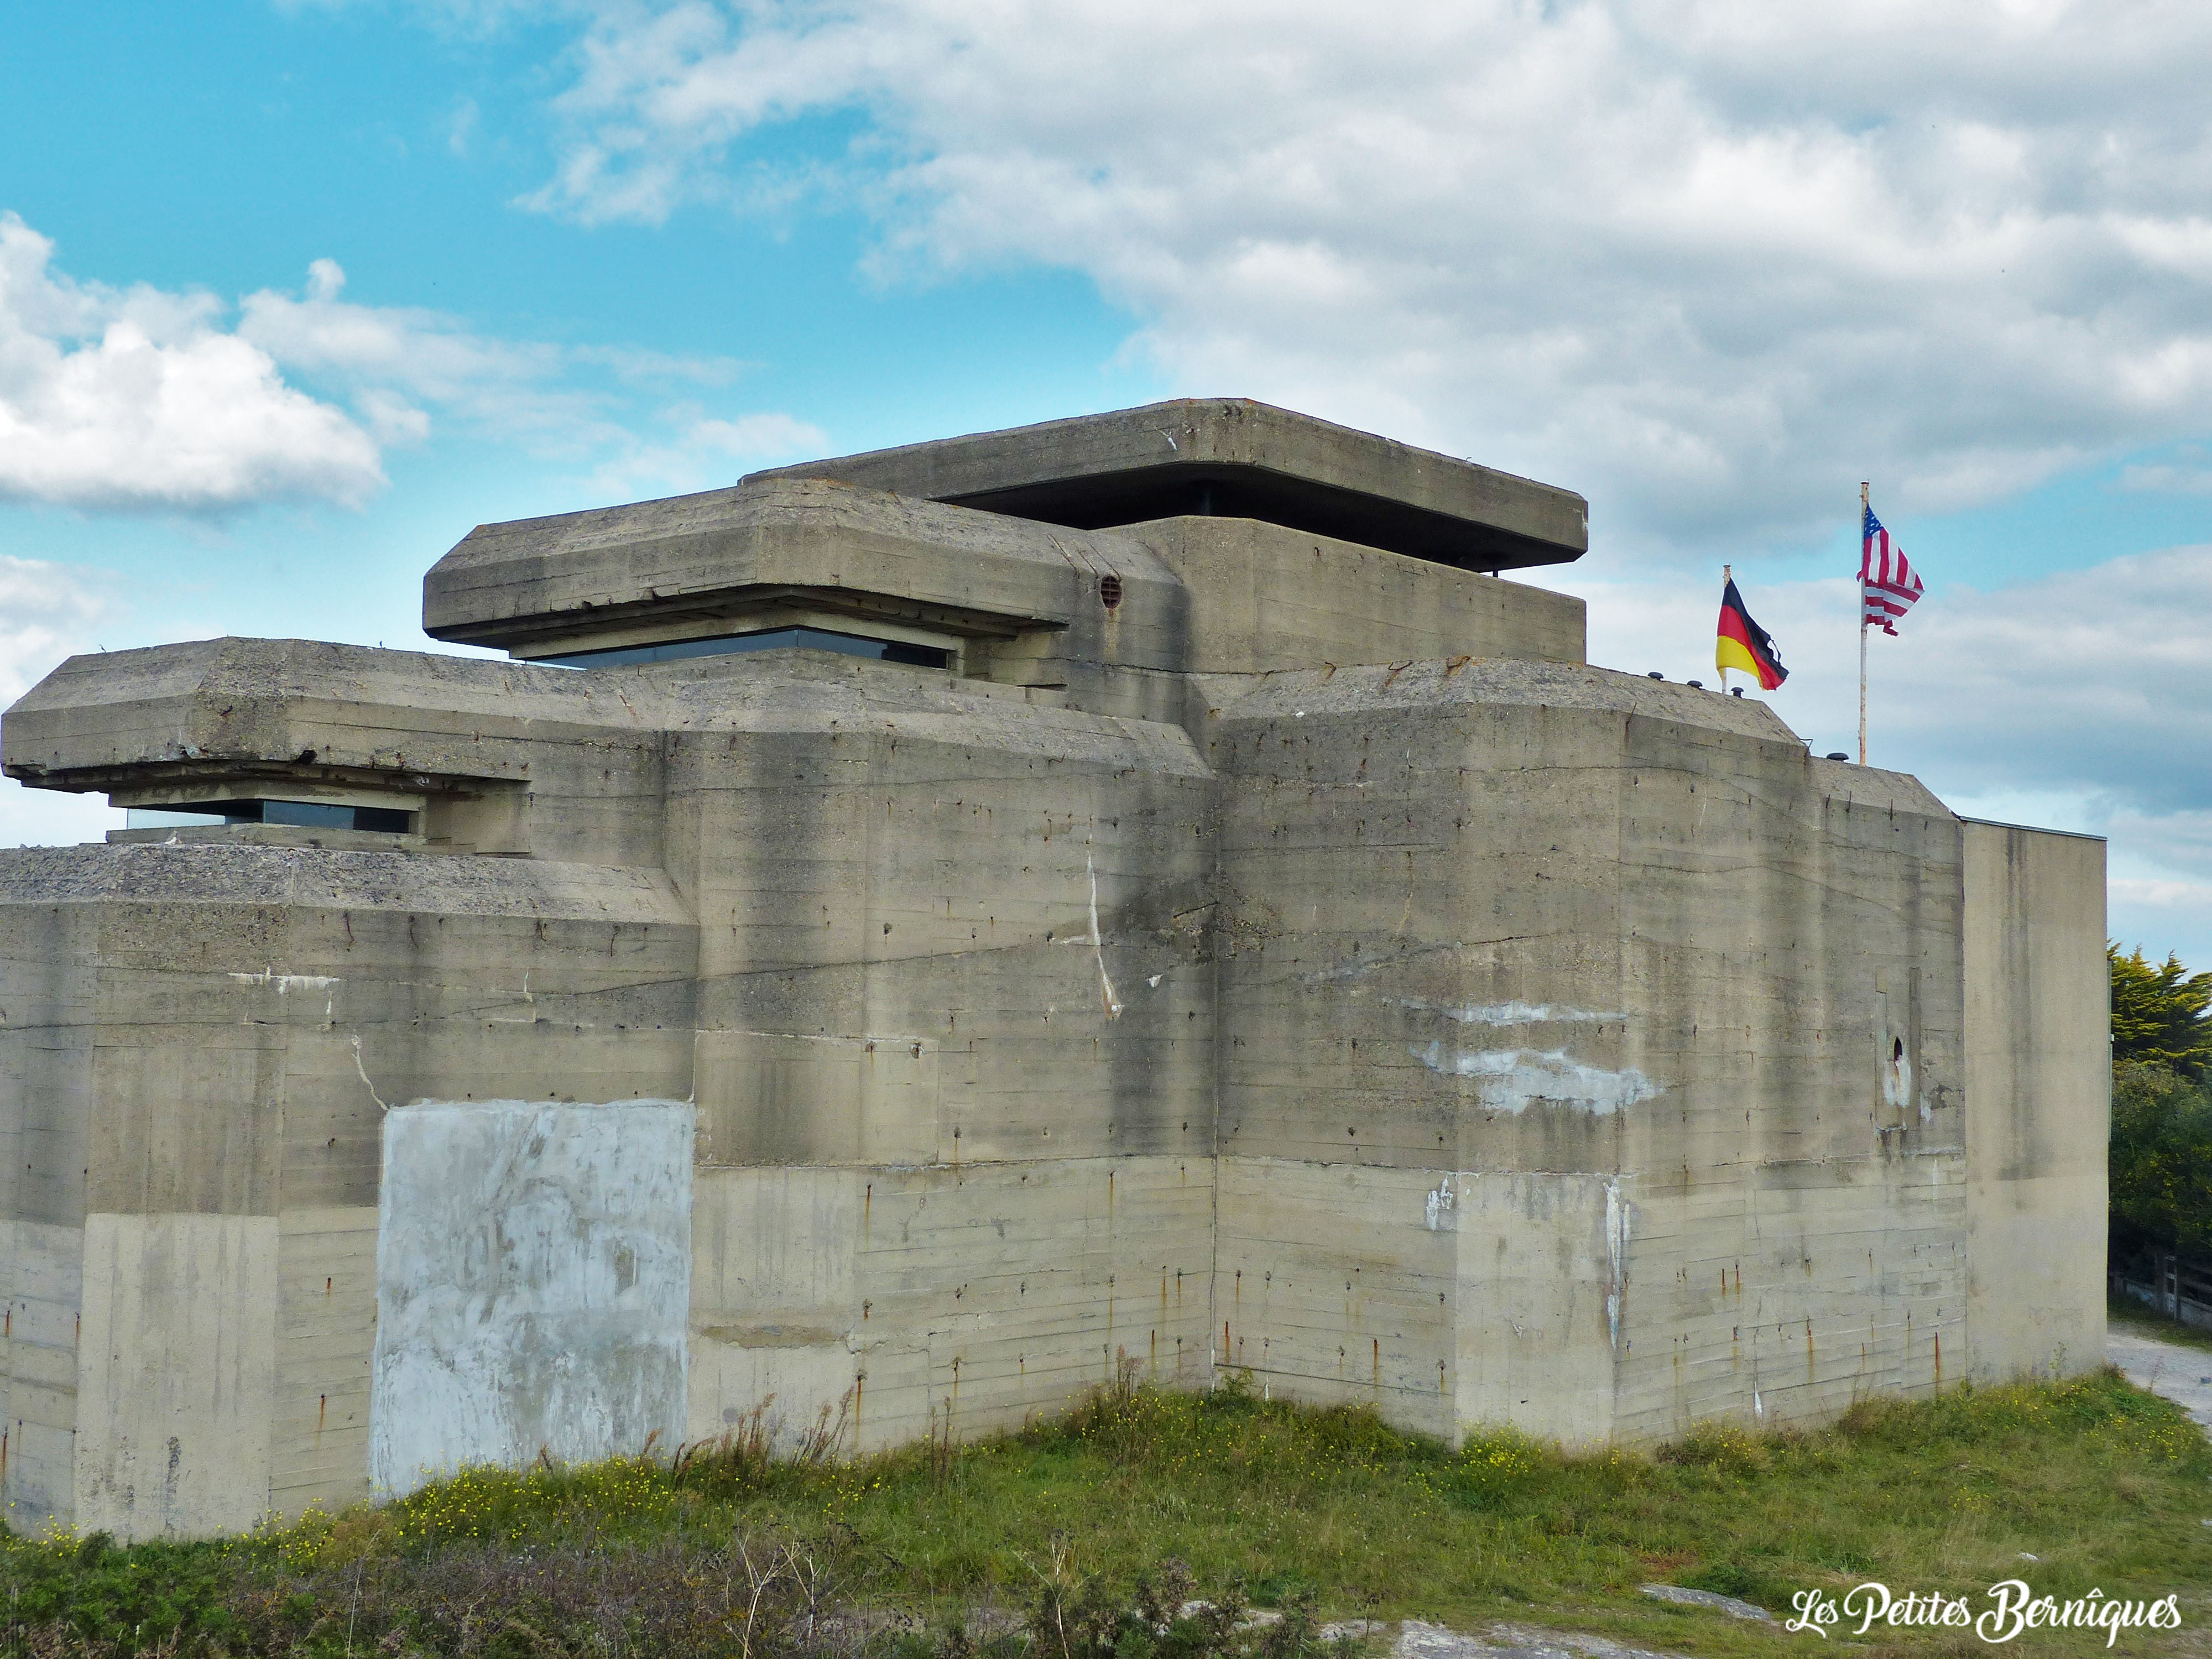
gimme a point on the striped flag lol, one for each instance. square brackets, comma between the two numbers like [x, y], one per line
[1888, 582]
[1741, 643]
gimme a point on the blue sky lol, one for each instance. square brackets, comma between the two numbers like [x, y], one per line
[222, 150]
[407, 268]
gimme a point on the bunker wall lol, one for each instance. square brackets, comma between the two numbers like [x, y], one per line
[1265, 598]
[2038, 1099]
[955, 1066]
[1612, 978]
[195, 1337]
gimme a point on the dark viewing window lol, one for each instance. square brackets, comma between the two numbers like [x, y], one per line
[303, 814]
[723, 645]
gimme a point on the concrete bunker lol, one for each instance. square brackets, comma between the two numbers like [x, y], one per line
[915, 927]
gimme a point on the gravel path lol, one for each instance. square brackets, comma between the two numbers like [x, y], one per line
[2182, 1375]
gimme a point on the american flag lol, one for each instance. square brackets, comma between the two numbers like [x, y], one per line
[1888, 582]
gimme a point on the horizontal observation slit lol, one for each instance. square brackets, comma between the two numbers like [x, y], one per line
[723, 645]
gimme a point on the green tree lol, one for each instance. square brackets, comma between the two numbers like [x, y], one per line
[2158, 1015]
[2161, 1161]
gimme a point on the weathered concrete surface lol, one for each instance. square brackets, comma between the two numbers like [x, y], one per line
[176, 1374]
[981, 1293]
[1263, 598]
[2038, 1098]
[41, 1273]
[1262, 950]
[534, 1280]
[1443, 1298]
[325, 1333]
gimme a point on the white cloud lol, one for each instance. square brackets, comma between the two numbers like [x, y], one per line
[134, 399]
[2187, 471]
[2160, 915]
[48, 817]
[1702, 259]
[46, 612]
[401, 363]
[404, 356]
[2073, 701]
[2076, 682]
[708, 452]
[138, 400]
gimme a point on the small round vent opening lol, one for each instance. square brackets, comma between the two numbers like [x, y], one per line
[1109, 591]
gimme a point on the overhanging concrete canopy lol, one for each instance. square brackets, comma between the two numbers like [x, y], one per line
[1232, 458]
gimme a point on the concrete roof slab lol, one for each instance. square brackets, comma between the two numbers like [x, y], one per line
[1231, 457]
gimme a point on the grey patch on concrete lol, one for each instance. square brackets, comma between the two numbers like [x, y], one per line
[1698, 1598]
[2164, 1368]
[533, 1284]
[176, 1369]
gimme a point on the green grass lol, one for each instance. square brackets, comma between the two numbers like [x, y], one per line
[2132, 1317]
[2108, 1485]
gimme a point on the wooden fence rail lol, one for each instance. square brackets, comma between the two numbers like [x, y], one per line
[2179, 1286]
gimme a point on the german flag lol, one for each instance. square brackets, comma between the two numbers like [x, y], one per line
[1745, 644]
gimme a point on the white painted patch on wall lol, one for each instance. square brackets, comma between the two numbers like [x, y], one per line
[1514, 1080]
[1897, 1077]
[533, 1284]
[1442, 1207]
[286, 984]
[1511, 1014]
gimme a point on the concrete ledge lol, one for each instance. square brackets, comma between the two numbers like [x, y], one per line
[1369, 688]
[268, 835]
[293, 711]
[714, 557]
[230, 874]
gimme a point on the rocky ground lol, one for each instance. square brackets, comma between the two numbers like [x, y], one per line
[1416, 1640]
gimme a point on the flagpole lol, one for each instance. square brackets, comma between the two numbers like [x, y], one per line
[1727, 576]
[1862, 512]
